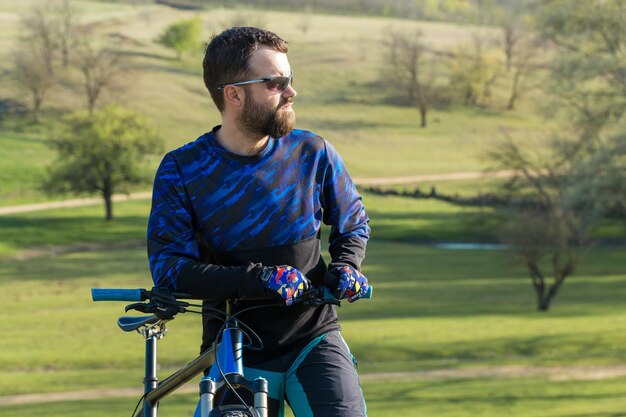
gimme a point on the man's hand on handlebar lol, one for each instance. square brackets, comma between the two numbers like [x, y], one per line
[352, 283]
[285, 281]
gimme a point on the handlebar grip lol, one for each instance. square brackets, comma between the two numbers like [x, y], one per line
[328, 294]
[116, 294]
[368, 294]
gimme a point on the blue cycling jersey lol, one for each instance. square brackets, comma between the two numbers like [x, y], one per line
[217, 218]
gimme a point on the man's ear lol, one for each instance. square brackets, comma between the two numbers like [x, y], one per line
[234, 96]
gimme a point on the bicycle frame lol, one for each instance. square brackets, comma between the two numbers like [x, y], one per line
[224, 359]
[226, 366]
[227, 372]
[154, 391]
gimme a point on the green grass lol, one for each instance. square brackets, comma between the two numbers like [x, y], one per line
[46, 230]
[24, 159]
[432, 309]
[418, 221]
[337, 65]
[392, 218]
[518, 397]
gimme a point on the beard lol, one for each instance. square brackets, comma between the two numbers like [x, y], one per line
[262, 121]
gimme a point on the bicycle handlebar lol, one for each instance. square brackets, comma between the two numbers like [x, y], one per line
[328, 295]
[140, 294]
[118, 294]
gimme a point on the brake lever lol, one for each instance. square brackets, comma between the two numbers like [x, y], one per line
[318, 296]
[164, 296]
[142, 307]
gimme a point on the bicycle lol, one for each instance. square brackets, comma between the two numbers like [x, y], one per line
[225, 357]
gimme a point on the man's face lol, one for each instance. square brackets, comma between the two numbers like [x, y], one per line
[261, 118]
[268, 111]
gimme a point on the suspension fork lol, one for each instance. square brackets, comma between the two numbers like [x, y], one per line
[228, 366]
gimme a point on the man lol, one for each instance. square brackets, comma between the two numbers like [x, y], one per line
[237, 214]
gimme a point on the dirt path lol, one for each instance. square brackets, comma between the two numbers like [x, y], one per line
[24, 208]
[434, 177]
[559, 373]
[147, 194]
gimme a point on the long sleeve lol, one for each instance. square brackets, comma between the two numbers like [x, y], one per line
[345, 213]
[173, 248]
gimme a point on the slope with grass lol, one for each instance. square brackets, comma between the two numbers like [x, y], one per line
[337, 64]
[458, 311]
[433, 309]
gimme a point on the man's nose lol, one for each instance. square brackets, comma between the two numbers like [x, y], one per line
[290, 92]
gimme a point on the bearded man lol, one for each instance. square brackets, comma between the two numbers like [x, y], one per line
[236, 214]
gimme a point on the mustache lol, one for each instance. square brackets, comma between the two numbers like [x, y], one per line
[288, 100]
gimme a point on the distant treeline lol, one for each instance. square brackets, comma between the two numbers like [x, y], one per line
[481, 200]
[483, 11]
[617, 211]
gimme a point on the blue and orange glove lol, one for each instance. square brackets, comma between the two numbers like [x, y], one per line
[352, 283]
[285, 281]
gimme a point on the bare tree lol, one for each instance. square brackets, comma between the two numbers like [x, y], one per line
[67, 21]
[41, 32]
[304, 23]
[566, 193]
[522, 65]
[47, 30]
[474, 70]
[513, 18]
[511, 37]
[32, 75]
[101, 69]
[412, 70]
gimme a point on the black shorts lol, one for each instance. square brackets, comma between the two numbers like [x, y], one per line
[319, 381]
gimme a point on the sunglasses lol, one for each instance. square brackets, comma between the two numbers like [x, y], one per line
[278, 83]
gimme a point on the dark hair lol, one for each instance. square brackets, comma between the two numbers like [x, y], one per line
[227, 56]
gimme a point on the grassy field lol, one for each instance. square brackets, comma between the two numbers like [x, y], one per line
[393, 218]
[338, 65]
[525, 397]
[41, 231]
[433, 309]
[461, 311]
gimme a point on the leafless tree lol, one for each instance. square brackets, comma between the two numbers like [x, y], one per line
[46, 37]
[412, 69]
[523, 64]
[32, 75]
[511, 37]
[566, 194]
[474, 69]
[41, 32]
[67, 15]
[587, 68]
[101, 69]
[304, 23]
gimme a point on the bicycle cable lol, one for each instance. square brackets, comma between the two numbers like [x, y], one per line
[250, 346]
[142, 398]
[244, 328]
[246, 331]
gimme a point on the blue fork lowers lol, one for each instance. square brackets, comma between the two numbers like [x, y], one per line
[227, 374]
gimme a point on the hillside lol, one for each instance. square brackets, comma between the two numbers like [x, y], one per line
[338, 65]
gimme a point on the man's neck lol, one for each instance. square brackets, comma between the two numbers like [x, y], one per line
[239, 142]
